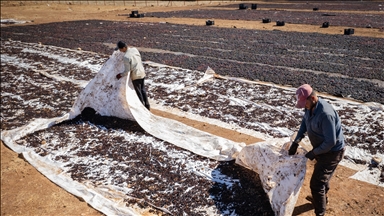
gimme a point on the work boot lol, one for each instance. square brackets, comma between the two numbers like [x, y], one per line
[148, 107]
[310, 199]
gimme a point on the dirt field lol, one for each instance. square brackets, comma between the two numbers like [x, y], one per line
[24, 191]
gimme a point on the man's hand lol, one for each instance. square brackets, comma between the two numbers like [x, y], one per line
[118, 76]
[292, 150]
[310, 155]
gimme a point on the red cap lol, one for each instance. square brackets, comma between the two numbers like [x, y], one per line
[302, 93]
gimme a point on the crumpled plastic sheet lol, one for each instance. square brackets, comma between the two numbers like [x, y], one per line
[281, 175]
[106, 94]
[112, 97]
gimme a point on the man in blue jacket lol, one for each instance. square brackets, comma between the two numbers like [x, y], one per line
[323, 126]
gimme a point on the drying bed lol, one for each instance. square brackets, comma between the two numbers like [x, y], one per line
[106, 151]
[109, 151]
[340, 65]
[357, 20]
[263, 108]
[320, 5]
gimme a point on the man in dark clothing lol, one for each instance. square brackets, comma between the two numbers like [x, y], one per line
[323, 126]
[133, 64]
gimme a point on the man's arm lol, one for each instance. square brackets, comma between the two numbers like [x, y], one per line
[300, 134]
[127, 68]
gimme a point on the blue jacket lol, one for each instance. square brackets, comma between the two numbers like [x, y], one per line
[323, 128]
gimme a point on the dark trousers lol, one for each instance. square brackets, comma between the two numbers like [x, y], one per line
[324, 168]
[140, 91]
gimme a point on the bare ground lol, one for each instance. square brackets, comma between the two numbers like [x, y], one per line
[24, 191]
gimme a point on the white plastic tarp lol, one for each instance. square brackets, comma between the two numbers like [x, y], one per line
[281, 175]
